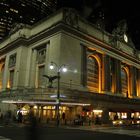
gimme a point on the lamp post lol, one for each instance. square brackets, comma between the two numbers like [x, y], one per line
[60, 68]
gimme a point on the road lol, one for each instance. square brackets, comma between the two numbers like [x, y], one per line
[52, 133]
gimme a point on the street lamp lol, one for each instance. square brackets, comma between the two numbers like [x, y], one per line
[61, 68]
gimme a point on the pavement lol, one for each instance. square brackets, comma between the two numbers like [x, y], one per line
[92, 127]
[124, 130]
[88, 127]
[97, 128]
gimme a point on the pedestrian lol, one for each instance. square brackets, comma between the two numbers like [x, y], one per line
[33, 128]
[7, 117]
[1, 117]
[89, 120]
[116, 117]
[97, 121]
[20, 117]
[63, 117]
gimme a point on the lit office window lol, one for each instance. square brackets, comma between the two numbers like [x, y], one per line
[92, 74]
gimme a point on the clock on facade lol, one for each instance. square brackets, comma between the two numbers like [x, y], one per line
[125, 38]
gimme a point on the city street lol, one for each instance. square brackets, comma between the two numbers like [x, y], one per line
[68, 133]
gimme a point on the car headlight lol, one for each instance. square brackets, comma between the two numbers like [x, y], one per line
[120, 122]
[114, 122]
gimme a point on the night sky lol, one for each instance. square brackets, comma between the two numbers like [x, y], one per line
[114, 11]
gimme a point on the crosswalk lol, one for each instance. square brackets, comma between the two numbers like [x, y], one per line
[3, 138]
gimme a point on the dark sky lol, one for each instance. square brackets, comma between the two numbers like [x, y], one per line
[114, 11]
[125, 9]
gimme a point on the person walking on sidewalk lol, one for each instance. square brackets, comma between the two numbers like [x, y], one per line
[20, 117]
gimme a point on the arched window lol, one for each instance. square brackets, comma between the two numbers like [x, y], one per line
[124, 81]
[93, 74]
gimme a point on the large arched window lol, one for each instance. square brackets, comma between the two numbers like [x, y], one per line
[93, 74]
[124, 81]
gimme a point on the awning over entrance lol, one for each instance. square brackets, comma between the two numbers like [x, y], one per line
[44, 102]
[26, 107]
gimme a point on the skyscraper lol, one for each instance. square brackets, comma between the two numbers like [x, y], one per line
[23, 11]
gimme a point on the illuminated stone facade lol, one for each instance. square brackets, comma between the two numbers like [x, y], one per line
[103, 78]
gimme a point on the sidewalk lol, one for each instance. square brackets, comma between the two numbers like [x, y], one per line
[82, 127]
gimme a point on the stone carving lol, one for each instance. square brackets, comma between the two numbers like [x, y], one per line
[122, 27]
[50, 79]
[12, 60]
[41, 56]
[113, 40]
[15, 27]
[71, 17]
[136, 53]
[118, 33]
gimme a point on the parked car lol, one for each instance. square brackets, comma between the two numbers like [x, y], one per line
[122, 122]
[136, 121]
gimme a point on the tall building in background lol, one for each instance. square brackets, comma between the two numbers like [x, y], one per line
[23, 11]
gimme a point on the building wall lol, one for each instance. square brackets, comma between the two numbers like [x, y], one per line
[71, 44]
[66, 48]
[71, 55]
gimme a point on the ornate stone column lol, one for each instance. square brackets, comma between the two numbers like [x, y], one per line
[105, 116]
[117, 78]
[138, 83]
[33, 68]
[106, 79]
[128, 115]
[5, 73]
[30, 68]
[132, 81]
[84, 65]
